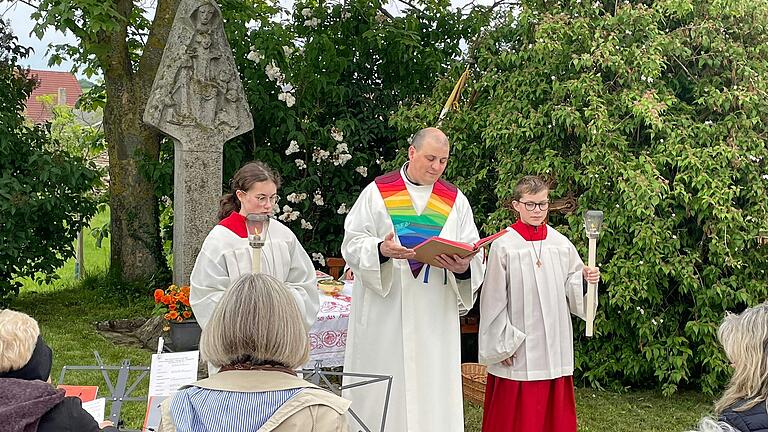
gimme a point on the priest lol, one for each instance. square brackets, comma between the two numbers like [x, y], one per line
[405, 314]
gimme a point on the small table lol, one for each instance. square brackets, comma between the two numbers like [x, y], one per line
[328, 335]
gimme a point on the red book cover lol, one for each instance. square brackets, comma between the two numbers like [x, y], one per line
[85, 393]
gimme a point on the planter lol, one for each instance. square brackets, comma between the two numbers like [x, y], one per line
[185, 335]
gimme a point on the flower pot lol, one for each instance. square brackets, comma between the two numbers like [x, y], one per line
[185, 335]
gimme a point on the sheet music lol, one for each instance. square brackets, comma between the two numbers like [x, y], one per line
[169, 371]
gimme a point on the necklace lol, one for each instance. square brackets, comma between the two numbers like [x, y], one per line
[538, 254]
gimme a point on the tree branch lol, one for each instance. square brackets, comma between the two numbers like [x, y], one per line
[156, 41]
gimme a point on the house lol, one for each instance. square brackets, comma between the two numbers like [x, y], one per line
[63, 86]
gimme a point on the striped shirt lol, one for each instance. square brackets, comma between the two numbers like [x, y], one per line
[196, 409]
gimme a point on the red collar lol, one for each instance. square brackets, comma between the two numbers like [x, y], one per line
[235, 222]
[530, 232]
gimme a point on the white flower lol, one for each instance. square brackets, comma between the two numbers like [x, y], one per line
[294, 215]
[300, 163]
[255, 56]
[380, 17]
[320, 155]
[342, 148]
[345, 15]
[753, 158]
[293, 147]
[272, 71]
[708, 122]
[306, 12]
[317, 256]
[318, 199]
[288, 98]
[342, 209]
[765, 176]
[287, 50]
[287, 88]
[284, 217]
[287, 209]
[306, 225]
[296, 197]
[363, 171]
[342, 159]
[314, 22]
[337, 134]
[653, 321]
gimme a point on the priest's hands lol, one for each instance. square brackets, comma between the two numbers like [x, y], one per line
[591, 274]
[454, 263]
[389, 248]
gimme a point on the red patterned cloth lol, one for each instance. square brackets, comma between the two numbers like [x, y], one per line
[328, 335]
[529, 406]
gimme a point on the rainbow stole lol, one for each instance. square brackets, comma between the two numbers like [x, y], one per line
[411, 228]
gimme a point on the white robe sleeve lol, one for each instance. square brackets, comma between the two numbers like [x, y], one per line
[302, 282]
[360, 248]
[466, 290]
[498, 339]
[574, 284]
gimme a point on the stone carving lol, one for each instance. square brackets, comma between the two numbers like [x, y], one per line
[197, 99]
[197, 96]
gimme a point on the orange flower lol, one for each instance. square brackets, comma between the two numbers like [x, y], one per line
[185, 300]
[167, 299]
[185, 290]
[159, 295]
[173, 314]
[172, 306]
[186, 314]
[167, 316]
[179, 319]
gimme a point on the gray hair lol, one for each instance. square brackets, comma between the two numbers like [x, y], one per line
[707, 424]
[256, 321]
[428, 134]
[744, 338]
[18, 337]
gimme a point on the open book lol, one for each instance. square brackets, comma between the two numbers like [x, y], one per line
[428, 249]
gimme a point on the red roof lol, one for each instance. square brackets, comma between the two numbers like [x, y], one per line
[49, 83]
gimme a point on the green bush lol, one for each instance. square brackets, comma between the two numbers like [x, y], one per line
[655, 112]
[46, 194]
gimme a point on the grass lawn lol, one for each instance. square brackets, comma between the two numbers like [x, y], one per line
[67, 312]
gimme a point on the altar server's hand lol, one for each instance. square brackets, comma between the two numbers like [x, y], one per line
[454, 263]
[390, 248]
[510, 361]
[591, 274]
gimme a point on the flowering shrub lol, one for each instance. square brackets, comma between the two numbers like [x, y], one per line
[173, 303]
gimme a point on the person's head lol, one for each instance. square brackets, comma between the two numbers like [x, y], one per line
[428, 156]
[23, 353]
[205, 13]
[253, 190]
[530, 199]
[744, 338]
[257, 321]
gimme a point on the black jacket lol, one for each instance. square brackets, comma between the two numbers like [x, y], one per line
[29, 406]
[754, 419]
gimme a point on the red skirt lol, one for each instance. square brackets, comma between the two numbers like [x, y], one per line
[529, 406]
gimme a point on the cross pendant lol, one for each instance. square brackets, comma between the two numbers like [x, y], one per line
[538, 263]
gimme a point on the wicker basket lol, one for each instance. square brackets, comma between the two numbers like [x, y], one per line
[473, 379]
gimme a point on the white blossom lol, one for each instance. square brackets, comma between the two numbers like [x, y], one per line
[342, 148]
[287, 50]
[318, 199]
[345, 15]
[753, 158]
[708, 122]
[300, 163]
[273, 72]
[287, 209]
[317, 256]
[255, 56]
[293, 147]
[306, 225]
[765, 176]
[363, 171]
[313, 22]
[380, 17]
[294, 215]
[342, 209]
[337, 134]
[289, 99]
[342, 159]
[306, 12]
[320, 155]
[296, 197]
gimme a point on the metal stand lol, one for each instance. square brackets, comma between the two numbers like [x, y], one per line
[317, 375]
[119, 392]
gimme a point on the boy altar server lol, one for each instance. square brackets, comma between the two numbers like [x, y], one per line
[405, 315]
[533, 283]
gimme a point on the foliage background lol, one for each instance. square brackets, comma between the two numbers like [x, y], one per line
[46, 192]
[654, 112]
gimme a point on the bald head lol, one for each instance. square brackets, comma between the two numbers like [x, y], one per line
[427, 156]
[430, 134]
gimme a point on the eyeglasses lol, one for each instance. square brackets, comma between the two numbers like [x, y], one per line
[262, 199]
[531, 206]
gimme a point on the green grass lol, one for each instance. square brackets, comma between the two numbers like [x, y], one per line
[67, 311]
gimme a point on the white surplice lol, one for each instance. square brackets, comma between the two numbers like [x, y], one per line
[526, 310]
[225, 256]
[403, 327]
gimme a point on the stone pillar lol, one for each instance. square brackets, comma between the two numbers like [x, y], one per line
[198, 100]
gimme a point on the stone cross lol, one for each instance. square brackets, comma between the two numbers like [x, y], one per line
[198, 100]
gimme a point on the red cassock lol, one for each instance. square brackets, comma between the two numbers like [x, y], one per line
[529, 406]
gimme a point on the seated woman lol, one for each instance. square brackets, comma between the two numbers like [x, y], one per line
[745, 340]
[29, 403]
[257, 339]
[226, 254]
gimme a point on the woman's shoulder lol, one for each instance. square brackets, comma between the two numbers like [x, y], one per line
[752, 419]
